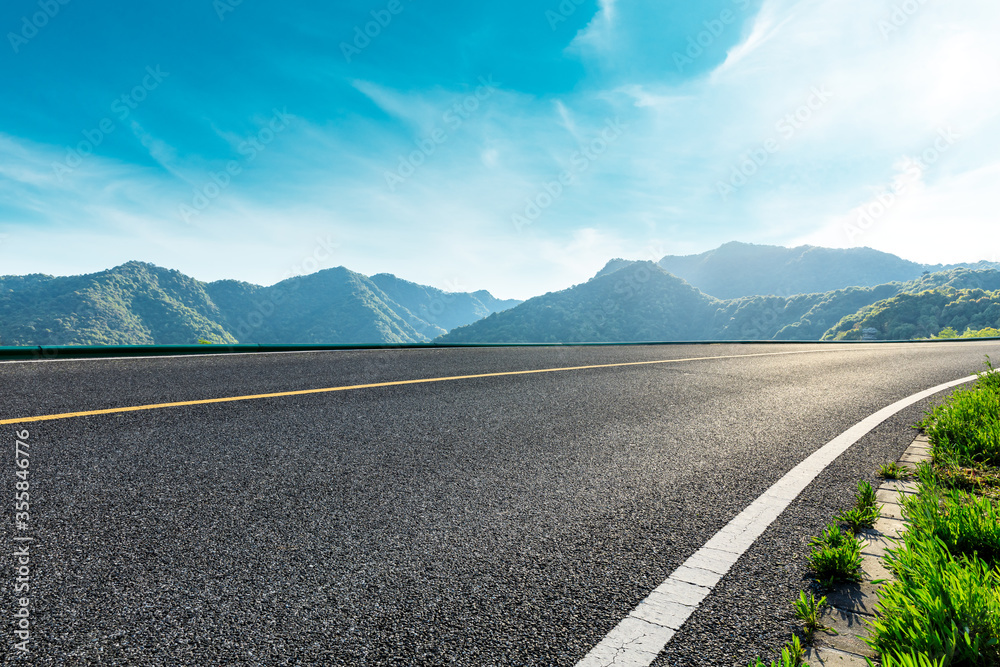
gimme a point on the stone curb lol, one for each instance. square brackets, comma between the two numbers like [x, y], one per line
[849, 606]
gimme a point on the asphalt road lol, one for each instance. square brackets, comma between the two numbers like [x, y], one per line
[507, 520]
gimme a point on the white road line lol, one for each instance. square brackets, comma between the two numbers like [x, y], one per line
[639, 638]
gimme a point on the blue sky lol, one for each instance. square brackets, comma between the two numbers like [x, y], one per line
[511, 146]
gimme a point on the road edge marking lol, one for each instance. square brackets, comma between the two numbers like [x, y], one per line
[642, 635]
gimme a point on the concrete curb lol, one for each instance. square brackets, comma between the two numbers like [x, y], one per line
[850, 606]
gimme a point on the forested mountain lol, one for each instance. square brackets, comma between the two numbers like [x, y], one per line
[444, 310]
[922, 315]
[134, 303]
[139, 303]
[743, 269]
[636, 301]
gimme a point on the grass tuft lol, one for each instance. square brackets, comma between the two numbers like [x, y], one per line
[836, 556]
[894, 471]
[807, 610]
[792, 655]
[865, 512]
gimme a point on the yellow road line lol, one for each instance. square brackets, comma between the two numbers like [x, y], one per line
[395, 383]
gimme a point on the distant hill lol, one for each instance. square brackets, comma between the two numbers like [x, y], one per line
[139, 303]
[742, 269]
[134, 303]
[923, 314]
[626, 301]
[443, 310]
[639, 301]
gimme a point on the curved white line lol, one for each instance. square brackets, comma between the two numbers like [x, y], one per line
[639, 638]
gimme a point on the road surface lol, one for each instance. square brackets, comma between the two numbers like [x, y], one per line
[509, 519]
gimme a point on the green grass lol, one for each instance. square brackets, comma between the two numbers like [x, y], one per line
[894, 471]
[909, 660]
[865, 511]
[965, 430]
[792, 655]
[940, 606]
[807, 610]
[836, 556]
[966, 524]
[945, 602]
[981, 480]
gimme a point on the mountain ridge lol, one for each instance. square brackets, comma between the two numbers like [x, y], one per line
[626, 301]
[615, 299]
[141, 303]
[737, 269]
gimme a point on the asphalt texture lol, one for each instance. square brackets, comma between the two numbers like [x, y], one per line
[492, 521]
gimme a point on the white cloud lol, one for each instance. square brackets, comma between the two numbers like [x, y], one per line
[955, 220]
[891, 96]
[451, 221]
[599, 35]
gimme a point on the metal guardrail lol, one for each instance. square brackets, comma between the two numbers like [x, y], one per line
[42, 352]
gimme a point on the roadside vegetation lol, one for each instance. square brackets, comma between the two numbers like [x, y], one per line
[943, 608]
[893, 470]
[986, 332]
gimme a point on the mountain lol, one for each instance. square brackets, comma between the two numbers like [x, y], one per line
[922, 315]
[742, 269]
[132, 304]
[639, 301]
[139, 303]
[330, 306]
[444, 310]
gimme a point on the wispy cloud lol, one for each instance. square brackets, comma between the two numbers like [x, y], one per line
[891, 91]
